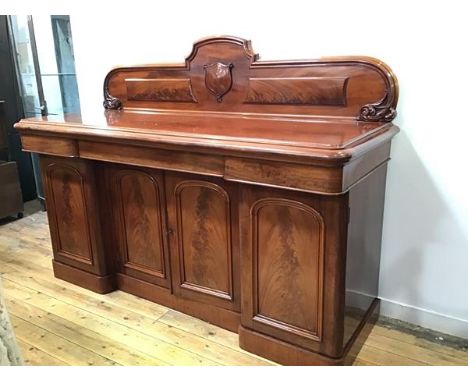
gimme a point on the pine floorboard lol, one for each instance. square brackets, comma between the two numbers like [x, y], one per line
[57, 323]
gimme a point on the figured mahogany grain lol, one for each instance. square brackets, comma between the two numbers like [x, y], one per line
[205, 240]
[202, 230]
[142, 217]
[285, 91]
[176, 90]
[139, 216]
[295, 250]
[288, 265]
[72, 208]
[66, 185]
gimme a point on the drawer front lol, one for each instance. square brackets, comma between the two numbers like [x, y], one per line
[291, 176]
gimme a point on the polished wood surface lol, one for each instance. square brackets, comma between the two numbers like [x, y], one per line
[223, 73]
[137, 205]
[281, 130]
[363, 248]
[73, 213]
[239, 103]
[58, 323]
[204, 237]
[229, 174]
[292, 259]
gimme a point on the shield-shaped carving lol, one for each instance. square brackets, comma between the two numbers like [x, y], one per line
[218, 79]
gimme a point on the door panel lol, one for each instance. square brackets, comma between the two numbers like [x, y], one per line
[73, 213]
[287, 252]
[66, 185]
[288, 239]
[203, 217]
[139, 219]
[204, 238]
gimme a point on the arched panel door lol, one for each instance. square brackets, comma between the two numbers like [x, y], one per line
[202, 216]
[73, 213]
[139, 218]
[283, 245]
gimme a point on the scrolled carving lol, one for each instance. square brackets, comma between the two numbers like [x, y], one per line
[382, 111]
[111, 102]
[375, 112]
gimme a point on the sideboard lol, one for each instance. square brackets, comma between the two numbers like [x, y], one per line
[246, 193]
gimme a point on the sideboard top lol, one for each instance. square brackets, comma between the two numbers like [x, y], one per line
[223, 97]
[318, 138]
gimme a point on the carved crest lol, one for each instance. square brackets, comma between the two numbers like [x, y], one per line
[218, 79]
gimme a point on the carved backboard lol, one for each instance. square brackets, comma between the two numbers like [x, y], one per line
[223, 74]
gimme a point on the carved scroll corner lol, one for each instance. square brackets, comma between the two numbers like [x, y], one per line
[110, 102]
[377, 112]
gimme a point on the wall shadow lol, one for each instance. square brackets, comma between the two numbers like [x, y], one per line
[424, 259]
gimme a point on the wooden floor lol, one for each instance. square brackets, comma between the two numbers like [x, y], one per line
[57, 323]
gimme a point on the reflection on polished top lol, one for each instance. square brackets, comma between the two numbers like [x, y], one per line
[299, 132]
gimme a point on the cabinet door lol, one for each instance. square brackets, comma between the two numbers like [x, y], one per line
[73, 213]
[137, 200]
[284, 236]
[202, 215]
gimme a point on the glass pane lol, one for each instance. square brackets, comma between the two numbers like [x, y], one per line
[25, 63]
[52, 93]
[46, 54]
[57, 87]
[65, 63]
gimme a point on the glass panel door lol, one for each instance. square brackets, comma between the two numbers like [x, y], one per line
[27, 66]
[46, 69]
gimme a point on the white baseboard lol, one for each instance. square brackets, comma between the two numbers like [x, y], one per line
[418, 316]
[425, 318]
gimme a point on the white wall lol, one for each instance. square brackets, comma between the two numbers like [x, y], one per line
[424, 268]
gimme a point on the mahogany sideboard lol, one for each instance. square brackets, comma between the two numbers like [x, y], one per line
[243, 192]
